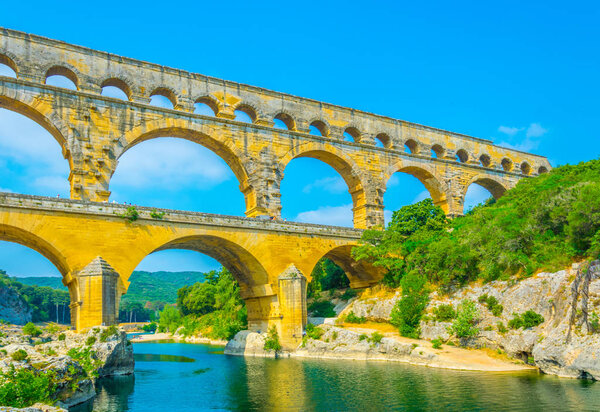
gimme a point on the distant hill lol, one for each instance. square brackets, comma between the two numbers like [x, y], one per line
[145, 286]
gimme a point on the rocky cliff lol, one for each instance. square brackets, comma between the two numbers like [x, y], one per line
[13, 309]
[545, 346]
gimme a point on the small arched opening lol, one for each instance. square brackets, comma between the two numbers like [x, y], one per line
[64, 77]
[319, 128]
[485, 160]
[352, 134]
[116, 88]
[437, 151]
[284, 121]
[206, 106]
[8, 68]
[411, 146]
[542, 170]
[525, 168]
[462, 156]
[163, 97]
[480, 191]
[245, 114]
[383, 140]
[506, 164]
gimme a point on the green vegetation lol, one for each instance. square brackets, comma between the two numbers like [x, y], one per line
[594, 322]
[436, 343]
[19, 355]
[544, 223]
[444, 313]
[349, 294]
[322, 308]
[464, 326]
[526, 320]
[213, 308]
[108, 333]
[131, 214]
[31, 330]
[157, 215]
[62, 337]
[501, 328]
[326, 276]
[90, 340]
[272, 341]
[492, 304]
[22, 387]
[314, 332]
[406, 314]
[45, 303]
[87, 358]
[151, 327]
[376, 337]
[352, 318]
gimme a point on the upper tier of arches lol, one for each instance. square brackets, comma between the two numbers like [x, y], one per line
[184, 90]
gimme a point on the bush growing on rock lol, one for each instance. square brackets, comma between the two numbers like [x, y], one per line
[406, 314]
[22, 387]
[492, 304]
[314, 332]
[436, 343]
[528, 319]
[19, 355]
[272, 341]
[464, 326]
[62, 337]
[352, 318]
[108, 333]
[444, 313]
[31, 330]
[376, 337]
[90, 340]
[501, 328]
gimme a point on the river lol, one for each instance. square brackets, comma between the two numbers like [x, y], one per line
[192, 377]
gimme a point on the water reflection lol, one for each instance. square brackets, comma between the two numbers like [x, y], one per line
[218, 382]
[151, 357]
[112, 394]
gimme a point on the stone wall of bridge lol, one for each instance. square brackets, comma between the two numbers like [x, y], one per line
[94, 131]
[96, 249]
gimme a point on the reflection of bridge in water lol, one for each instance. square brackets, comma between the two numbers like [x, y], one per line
[96, 251]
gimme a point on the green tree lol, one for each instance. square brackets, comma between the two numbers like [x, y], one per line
[170, 319]
[406, 314]
[465, 324]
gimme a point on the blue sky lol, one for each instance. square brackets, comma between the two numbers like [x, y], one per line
[523, 74]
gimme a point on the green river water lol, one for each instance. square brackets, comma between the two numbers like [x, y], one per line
[192, 377]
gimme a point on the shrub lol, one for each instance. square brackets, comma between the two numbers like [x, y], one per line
[349, 294]
[131, 214]
[376, 337]
[526, 320]
[363, 337]
[90, 340]
[62, 337]
[436, 343]
[19, 355]
[406, 314]
[87, 359]
[322, 309]
[352, 318]
[314, 332]
[444, 313]
[594, 322]
[272, 341]
[52, 328]
[531, 319]
[464, 326]
[108, 333]
[492, 304]
[157, 215]
[151, 327]
[501, 328]
[24, 387]
[31, 330]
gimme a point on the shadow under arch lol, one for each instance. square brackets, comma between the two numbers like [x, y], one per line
[342, 164]
[230, 155]
[242, 264]
[33, 114]
[361, 274]
[427, 178]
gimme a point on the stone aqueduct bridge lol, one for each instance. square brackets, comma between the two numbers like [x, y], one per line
[96, 251]
[94, 131]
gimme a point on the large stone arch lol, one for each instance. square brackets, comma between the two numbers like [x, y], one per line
[361, 274]
[242, 264]
[427, 176]
[343, 164]
[42, 115]
[496, 188]
[226, 150]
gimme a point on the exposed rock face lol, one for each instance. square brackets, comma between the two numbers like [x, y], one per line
[548, 294]
[38, 407]
[247, 343]
[13, 309]
[110, 353]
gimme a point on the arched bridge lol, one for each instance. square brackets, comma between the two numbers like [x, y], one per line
[94, 131]
[96, 249]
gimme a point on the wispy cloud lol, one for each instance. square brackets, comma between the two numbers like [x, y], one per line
[328, 215]
[511, 131]
[334, 184]
[531, 141]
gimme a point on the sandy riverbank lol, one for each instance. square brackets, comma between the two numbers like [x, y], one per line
[158, 336]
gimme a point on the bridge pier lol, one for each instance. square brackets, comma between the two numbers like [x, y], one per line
[292, 305]
[95, 296]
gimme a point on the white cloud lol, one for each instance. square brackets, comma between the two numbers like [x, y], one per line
[511, 131]
[536, 130]
[171, 164]
[333, 184]
[328, 215]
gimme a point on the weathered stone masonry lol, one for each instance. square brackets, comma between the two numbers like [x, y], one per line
[96, 250]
